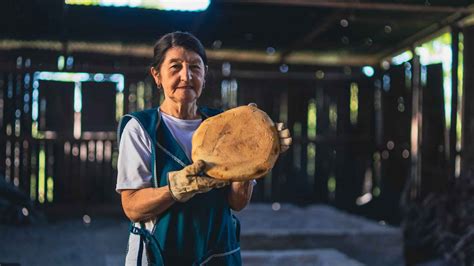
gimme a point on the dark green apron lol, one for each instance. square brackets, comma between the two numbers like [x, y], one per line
[203, 230]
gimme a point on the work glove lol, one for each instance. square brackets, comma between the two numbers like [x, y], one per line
[283, 134]
[191, 180]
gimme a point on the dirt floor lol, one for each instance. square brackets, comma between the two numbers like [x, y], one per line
[315, 235]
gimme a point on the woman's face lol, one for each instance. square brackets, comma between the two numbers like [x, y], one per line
[181, 75]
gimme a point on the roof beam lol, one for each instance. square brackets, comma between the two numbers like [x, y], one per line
[311, 36]
[423, 35]
[350, 4]
[295, 58]
[233, 55]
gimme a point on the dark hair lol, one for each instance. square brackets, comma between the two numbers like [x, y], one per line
[177, 39]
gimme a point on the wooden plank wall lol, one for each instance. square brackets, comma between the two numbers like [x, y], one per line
[356, 160]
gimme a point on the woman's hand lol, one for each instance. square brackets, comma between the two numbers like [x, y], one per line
[189, 181]
[283, 133]
[285, 137]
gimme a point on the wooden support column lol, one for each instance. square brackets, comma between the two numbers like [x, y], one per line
[346, 192]
[467, 161]
[416, 122]
[435, 171]
[393, 144]
[323, 149]
[454, 102]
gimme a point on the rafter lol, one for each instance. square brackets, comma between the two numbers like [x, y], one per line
[423, 35]
[350, 4]
[232, 55]
[311, 36]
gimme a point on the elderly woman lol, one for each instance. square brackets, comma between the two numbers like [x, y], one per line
[179, 216]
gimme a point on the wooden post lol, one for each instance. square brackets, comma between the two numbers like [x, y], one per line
[395, 118]
[468, 96]
[345, 196]
[454, 102]
[416, 128]
[435, 171]
[323, 149]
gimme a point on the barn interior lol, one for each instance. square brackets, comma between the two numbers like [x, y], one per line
[375, 93]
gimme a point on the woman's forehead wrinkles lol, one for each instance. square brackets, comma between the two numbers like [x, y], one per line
[193, 59]
[179, 60]
[175, 60]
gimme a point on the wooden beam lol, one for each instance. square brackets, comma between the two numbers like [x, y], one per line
[422, 36]
[346, 4]
[300, 75]
[297, 58]
[311, 36]
[232, 55]
[467, 21]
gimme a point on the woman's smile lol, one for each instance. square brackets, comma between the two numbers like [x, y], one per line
[185, 87]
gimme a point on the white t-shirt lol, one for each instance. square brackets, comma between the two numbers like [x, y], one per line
[135, 150]
[182, 131]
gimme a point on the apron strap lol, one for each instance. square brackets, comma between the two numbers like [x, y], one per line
[152, 246]
[140, 252]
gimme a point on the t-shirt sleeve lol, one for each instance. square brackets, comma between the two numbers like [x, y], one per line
[133, 166]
